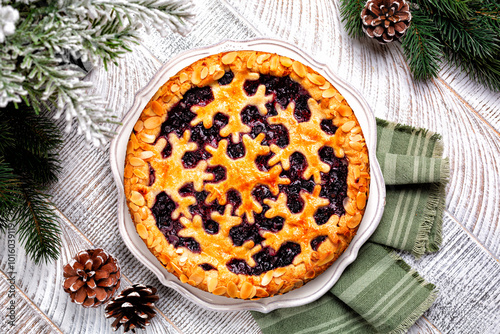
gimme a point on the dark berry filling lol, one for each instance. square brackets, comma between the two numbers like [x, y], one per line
[298, 165]
[333, 186]
[317, 241]
[245, 231]
[202, 137]
[262, 192]
[162, 211]
[275, 133]
[274, 224]
[265, 260]
[201, 208]
[333, 183]
[211, 226]
[152, 176]
[328, 127]
[218, 171]
[180, 116]
[207, 266]
[285, 91]
[235, 151]
[234, 199]
[226, 78]
[262, 162]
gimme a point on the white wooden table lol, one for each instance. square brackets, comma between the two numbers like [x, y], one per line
[466, 269]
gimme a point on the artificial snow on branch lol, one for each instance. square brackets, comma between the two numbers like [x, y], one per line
[43, 45]
[34, 36]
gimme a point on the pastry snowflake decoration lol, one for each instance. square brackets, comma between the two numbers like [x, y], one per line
[247, 174]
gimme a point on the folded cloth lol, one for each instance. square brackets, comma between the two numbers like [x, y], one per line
[379, 292]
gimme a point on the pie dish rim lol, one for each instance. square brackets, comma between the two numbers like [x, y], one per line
[317, 287]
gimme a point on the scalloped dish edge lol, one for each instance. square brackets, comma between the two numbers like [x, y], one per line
[321, 284]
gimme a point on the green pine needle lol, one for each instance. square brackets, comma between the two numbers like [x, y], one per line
[9, 193]
[484, 71]
[471, 38]
[28, 165]
[463, 33]
[36, 139]
[459, 10]
[38, 226]
[350, 11]
[421, 48]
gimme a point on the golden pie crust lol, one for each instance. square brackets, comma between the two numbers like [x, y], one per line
[144, 153]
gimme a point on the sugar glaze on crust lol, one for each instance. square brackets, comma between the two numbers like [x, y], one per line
[250, 214]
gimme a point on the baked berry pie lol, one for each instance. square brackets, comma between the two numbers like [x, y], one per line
[247, 174]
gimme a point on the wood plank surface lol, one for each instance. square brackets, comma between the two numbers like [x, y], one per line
[466, 269]
[468, 280]
[444, 105]
[87, 197]
[27, 316]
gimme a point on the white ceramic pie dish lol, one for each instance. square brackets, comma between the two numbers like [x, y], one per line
[319, 285]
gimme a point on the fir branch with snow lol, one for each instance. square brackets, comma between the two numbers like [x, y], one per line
[38, 40]
[35, 35]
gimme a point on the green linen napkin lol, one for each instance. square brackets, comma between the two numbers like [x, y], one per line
[379, 292]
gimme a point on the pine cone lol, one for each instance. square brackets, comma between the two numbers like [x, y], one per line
[386, 20]
[92, 277]
[133, 307]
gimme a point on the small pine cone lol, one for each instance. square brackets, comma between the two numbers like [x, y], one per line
[386, 20]
[92, 277]
[133, 307]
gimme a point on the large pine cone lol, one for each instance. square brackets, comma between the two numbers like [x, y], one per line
[92, 277]
[385, 20]
[133, 307]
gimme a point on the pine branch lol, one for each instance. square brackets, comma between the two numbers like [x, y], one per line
[9, 193]
[458, 10]
[472, 39]
[488, 13]
[38, 228]
[350, 11]
[107, 40]
[483, 70]
[172, 15]
[422, 49]
[11, 88]
[28, 165]
[33, 70]
[36, 138]
[7, 138]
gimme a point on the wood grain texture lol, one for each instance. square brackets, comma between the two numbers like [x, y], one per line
[87, 197]
[443, 105]
[477, 97]
[42, 301]
[423, 326]
[27, 316]
[467, 116]
[468, 280]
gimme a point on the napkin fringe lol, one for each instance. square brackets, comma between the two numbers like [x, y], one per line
[438, 150]
[429, 236]
[433, 221]
[424, 306]
[416, 314]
